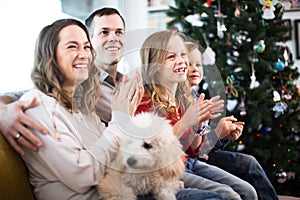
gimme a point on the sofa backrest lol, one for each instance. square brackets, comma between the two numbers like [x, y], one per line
[14, 182]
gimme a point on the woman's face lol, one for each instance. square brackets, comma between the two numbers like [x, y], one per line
[195, 70]
[73, 54]
[175, 67]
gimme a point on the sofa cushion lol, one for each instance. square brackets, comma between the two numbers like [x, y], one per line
[14, 182]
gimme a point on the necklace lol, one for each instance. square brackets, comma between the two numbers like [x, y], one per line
[51, 114]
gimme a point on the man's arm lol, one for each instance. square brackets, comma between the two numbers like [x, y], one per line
[10, 97]
[14, 123]
[5, 100]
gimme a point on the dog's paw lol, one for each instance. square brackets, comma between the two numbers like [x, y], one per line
[180, 185]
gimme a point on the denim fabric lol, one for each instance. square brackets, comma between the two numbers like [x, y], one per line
[190, 194]
[192, 180]
[213, 173]
[247, 168]
[196, 194]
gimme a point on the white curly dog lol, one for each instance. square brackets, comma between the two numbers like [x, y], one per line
[149, 161]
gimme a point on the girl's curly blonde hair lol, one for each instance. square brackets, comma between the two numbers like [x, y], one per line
[153, 56]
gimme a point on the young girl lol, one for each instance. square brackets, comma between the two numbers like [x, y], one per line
[164, 66]
[242, 165]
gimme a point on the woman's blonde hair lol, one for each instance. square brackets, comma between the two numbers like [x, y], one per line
[47, 77]
[153, 56]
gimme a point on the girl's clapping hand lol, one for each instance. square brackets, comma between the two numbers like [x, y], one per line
[217, 106]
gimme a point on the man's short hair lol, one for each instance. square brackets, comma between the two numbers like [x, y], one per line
[101, 12]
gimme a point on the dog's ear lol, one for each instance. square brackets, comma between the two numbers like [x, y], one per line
[172, 158]
[173, 170]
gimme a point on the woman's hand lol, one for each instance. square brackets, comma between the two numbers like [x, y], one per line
[129, 95]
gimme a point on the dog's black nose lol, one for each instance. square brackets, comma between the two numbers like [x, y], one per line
[131, 161]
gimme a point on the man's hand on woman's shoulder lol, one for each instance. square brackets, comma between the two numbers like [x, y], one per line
[14, 125]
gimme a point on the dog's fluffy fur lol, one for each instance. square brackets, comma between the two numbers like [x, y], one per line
[149, 161]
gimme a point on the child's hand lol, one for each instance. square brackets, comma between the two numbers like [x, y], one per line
[205, 111]
[197, 112]
[217, 106]
[229, 128]
[235, 134]
[210, 109]
[225, 126]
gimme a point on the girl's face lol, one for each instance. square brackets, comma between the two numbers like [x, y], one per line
[175, 67]
[195, 70]
[73, 54]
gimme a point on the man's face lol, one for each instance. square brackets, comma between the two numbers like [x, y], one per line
[108, 40]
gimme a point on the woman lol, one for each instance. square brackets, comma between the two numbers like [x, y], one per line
[66, 86]
[164, 67]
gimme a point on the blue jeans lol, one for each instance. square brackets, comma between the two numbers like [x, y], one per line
[190, 194]
[245, 167]
[192, 180]
[197, 194]
[213, 173]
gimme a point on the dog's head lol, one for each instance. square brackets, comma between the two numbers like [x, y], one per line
[149, 144]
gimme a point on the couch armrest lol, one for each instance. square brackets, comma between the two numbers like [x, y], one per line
[14, 182]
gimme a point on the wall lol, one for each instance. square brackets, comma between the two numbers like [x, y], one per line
[21, 22]
[295, 14]
[135, 14]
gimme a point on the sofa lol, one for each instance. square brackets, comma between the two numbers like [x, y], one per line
[14, 183]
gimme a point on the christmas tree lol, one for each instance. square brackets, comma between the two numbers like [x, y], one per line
[246, 40]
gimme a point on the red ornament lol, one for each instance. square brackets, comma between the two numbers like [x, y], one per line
[207, 3]
[174, 28]
[228, 42]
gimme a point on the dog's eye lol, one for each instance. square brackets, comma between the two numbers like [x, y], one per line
[147, 145]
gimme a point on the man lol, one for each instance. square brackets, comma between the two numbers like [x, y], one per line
[107, 28]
